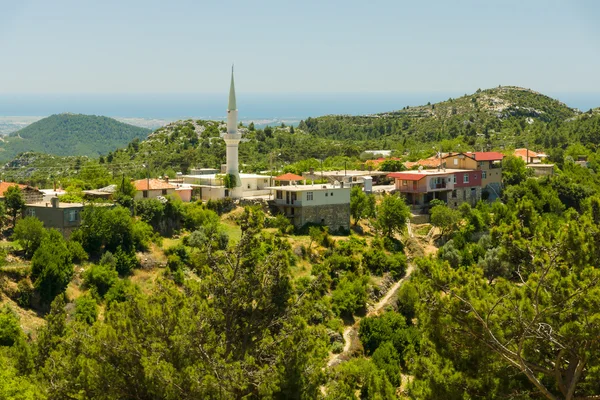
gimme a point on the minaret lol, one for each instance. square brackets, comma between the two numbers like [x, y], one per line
[232, 139]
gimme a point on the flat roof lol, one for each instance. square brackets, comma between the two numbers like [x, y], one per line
[214, 176]
[47, 204]
[348, 173]
[417, 175]
[306, 188]
[538, 165]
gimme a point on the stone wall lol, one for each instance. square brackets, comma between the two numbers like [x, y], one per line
[335, 216]
[457, 197]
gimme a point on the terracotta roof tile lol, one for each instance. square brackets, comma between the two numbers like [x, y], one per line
[6, 185]
[289, 177]
[155, 184]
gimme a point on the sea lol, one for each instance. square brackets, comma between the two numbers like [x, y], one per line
[263, 108]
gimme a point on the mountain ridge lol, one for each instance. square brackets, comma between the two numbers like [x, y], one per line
[69, 134]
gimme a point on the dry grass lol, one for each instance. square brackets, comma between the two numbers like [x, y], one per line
[145, 279]
[29, 320]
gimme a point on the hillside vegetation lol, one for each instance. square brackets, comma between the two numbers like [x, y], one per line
[71, 135]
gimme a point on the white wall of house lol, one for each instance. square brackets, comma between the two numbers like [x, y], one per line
[313, 196]
[152, 194]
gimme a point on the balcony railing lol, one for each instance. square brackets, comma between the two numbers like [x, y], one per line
[437, 185]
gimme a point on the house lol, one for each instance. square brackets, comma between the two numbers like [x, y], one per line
[541, 169]
[30, 194]
[530, 156]
[348, 177]
[431, 162]
[104, 193]
[453, 186]
[64, 217]
[211, 186]
[152, 188]
[288, 179]
[488, 162]
[321, 204]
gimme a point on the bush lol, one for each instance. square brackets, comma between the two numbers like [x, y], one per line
[386, 358]
[24, 293]
[196, 215]
[29, 232]
[86, 310]
[51, 266]
[350, 295]
[10, 331]
[78, 254]
[120, 292]
[337, 347]
[221, 206]
[379, 329]
[378, 262]
[143, 234]
[407, 301]
[108, 259]
[101, 277]
[126, 262]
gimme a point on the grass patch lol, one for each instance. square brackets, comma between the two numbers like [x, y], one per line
[422, 230]
[232, 230]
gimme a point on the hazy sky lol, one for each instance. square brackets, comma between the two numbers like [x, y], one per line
[154, 46]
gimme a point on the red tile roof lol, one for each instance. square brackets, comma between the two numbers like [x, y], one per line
[6, 185]
[155, 184]
[289, 177]
[486, 155]
[431, 162]
[523, 153]
[406, 176]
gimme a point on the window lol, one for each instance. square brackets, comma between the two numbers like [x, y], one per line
[483, 174]
[145, 194]
[164, 192]
[456, 161]
[326, 194]
[454, 193]
[331, 193]
[404, 183]
[73, 215]
[31, 212]
[279, 194]
[248, 186]
[309, 196]
[465, 194]
[466, 178]
[453, 178]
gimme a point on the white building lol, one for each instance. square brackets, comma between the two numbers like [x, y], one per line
[327, 205]
[212, 185]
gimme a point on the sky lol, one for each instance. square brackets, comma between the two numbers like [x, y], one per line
[280, 46]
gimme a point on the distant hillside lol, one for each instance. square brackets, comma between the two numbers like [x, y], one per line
[71, 135]
[491, 110]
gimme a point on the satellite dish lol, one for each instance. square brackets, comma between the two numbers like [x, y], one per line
[420, 168]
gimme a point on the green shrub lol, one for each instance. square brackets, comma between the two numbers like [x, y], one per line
[24, 293]
[386, 358]
[78, 254]
[10, 330]
[101, 277]
[350, 295]
[126, 262]
[86, 309]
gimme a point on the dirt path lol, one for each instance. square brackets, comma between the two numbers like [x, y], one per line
[352, 331]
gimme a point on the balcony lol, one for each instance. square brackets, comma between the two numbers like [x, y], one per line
[434, 186]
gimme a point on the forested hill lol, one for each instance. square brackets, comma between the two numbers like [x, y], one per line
[71, 135]
[485, 111]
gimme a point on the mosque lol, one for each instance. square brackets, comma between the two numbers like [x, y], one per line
[214, 185]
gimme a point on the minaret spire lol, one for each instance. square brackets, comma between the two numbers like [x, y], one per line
[232, 105]
[232, 139]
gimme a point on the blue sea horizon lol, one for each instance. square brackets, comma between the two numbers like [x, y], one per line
[293, 106]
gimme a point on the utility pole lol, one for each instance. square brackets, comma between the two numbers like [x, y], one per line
[321, 170]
